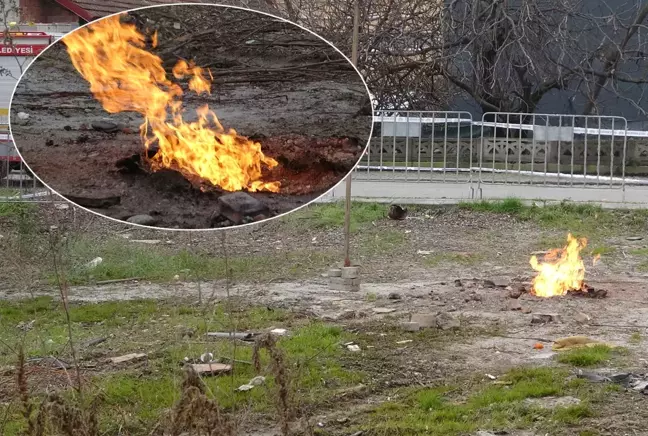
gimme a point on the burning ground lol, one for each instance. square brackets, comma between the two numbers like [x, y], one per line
[487, 362]
[212, 101]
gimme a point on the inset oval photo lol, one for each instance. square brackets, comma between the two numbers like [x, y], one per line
[191, 116]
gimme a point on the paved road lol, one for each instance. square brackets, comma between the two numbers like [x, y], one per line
[426, 192]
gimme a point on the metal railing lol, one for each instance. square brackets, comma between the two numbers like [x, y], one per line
[419, 146]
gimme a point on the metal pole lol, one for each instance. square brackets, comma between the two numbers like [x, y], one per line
[347, 205]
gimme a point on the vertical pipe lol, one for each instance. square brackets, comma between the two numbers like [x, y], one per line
[347, 205]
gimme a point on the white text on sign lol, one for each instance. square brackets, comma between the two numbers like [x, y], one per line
[21, 50]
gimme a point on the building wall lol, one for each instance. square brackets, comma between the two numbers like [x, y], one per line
[44, 11]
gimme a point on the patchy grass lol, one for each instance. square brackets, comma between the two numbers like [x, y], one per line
[384, 241]
[136, 395]
[122, 259]
[16, 209]
[581, 219]
[587, 356]
[449, 410]
[331, 215]
[635, 338]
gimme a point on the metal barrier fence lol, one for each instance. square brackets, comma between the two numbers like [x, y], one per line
[17, 184]
[419, 146]
[505, 149]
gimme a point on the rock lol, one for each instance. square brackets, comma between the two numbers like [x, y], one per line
[353, 348]
[514, 305]
[526, 310]
[629, 238]
[394, 296]
[26, 326]
[105, 126]
[410, 326]
[239, 205]
[424, 320]
[397, 212]
[484, 433]
[23, 116]
[185, 332]
[143, 220]
[383, 310]
[473, 296]
[582, 317]
[544, 318]
[489, 284]
[346, 315]
[515, 291]
[458, 283]
[552, 402]
[128, 358]
[446, 321]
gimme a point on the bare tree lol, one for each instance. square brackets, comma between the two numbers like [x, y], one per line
[500, 55]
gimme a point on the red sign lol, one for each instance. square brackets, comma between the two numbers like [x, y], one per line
[21, 49]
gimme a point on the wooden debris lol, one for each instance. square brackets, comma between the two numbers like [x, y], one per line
[128, 358]
[211, 368]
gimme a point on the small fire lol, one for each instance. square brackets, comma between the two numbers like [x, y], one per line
[124, 76]
[562, 270]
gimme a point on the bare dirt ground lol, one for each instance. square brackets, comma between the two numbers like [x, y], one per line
[286, 89]
[411, 267]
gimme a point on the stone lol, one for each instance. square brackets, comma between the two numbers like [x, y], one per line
[514, 305]
[410, 326]
[526, 310]
[238, 205]
[582, 317]
[143, 220]
[353, 348]
[484, 433]
[394, 296]
[128, 358]
[473, 296]
[350, 272]
[458, 283]
[105, 126]
[515, 291]
[346, 315]
[544, 318]
[446, 321]
[424, 320]
[342, 284]
[185, 332]
[335, 272]
[383, 310]
[629, 238]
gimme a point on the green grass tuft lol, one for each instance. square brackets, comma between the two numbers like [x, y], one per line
[586, 356]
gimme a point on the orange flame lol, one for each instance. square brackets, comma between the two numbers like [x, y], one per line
[124, 76]
[562, 270]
